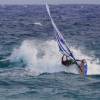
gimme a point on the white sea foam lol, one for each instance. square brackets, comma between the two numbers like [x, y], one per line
[44, 57]
[38, 23]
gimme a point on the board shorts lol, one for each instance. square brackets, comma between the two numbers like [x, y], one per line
[85, 69]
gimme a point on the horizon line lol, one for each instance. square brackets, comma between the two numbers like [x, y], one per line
[56, 4]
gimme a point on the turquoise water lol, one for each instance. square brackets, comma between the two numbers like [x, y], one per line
[30, 67]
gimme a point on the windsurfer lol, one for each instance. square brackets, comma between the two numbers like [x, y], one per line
[83, 67]
[83, 64]
[63, 46]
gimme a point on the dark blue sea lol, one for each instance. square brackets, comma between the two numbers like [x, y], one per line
[30, 61]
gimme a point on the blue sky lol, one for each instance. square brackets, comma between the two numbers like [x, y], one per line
[50, 1]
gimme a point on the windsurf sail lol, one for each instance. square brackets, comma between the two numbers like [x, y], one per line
[59, 37]
[63, 48]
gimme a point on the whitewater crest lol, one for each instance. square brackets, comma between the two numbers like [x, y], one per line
[38, 23]
[44, 57]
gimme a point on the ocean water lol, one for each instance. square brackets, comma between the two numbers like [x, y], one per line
[30, 62]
